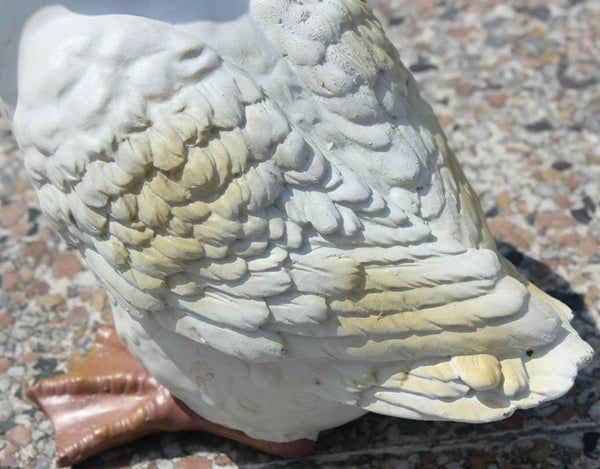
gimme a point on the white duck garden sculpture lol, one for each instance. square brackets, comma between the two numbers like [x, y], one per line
[285, 237]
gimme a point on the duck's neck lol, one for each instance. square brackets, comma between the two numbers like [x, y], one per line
[16, 17]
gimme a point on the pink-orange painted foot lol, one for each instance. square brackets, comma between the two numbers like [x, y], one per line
[110, 399]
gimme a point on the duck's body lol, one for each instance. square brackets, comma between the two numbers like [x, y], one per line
[285, 237]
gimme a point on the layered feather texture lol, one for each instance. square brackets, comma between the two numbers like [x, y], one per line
[297, 212]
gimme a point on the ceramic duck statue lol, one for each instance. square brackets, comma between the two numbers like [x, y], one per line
[285, 237]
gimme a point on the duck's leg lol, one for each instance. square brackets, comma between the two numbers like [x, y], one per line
[110, 399]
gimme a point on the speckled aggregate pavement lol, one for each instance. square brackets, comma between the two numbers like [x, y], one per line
[516, 85]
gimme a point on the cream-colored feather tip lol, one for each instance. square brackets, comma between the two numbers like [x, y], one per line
[269, 202]
[480, 372]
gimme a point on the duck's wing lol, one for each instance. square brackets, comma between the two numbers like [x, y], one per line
[473, 339]
[199, 203]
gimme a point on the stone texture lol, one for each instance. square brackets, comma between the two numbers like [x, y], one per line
[554, 220]
[11, 213]
[20, 435]
[10, 279]
[496, 99]
[194, 463]
[66, 265]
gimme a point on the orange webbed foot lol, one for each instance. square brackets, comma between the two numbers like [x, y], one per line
[110, 399]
